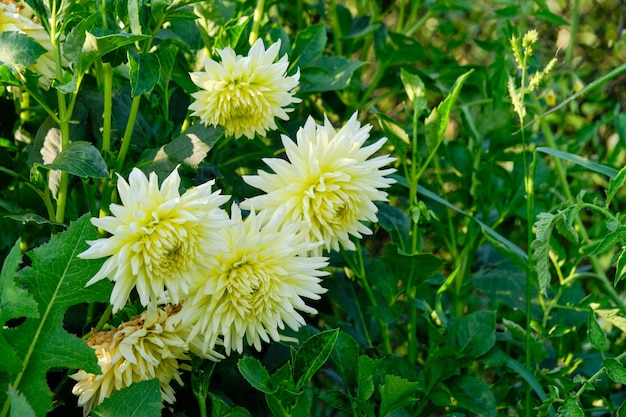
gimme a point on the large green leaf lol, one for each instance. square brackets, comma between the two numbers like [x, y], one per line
[395, 393]
[615, 370]
[144, 72]
[596, 334]
[473, 394]
[81, 159]
[345, 355]
[57, 281]
[473, 334]
[309, 44]
[255, 373]
[327, 73]
[313, 353]
[139, 399]
[190, 148]
[15, 302]
[19, 51]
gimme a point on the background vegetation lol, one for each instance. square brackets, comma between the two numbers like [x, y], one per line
[493, 282]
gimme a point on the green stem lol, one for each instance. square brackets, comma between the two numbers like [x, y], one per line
[573, 31]
[104, 318]
[108, 106]
[358, 267]
[334, 24]
[256, 21]
[128, 133]
[595, 376]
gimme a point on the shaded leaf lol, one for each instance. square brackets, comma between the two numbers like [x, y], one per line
[597, 337]
[571, 408]
[473, 334]
[42, 343]
[255, 373]
[345, 355]
[309, 44]
[313, 353]
[395, 393]
[220, 409]
[81, 159]
[365, 374]
[327, 73]
[139, 399]
[615, 370]
[473, 394]
[144, 72]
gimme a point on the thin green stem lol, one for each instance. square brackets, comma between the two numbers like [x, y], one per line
[128, 133]
[256, 21]
[595, 376]
[108, 107]
[104, 318]
[357, 265]
[573, 31]
[401, 12]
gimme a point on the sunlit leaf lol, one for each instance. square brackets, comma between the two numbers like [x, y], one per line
[19, 51]
[81, 159]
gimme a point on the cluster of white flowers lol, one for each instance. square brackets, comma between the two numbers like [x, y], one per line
[234, 280]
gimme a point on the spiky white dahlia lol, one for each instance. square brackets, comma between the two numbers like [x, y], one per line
[146, 347]
[160, 240]
[255, 284]
[244, 94]
[17, 16]
[328, 182]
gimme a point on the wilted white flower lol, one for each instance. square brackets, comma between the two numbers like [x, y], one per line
[244, 94]
[328, 182]
[160, 240]
[255, 284]
[146, 347]
[17, 16]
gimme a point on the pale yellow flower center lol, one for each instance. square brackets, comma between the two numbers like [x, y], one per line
[165, 248]
[248, 285]
[327, 203]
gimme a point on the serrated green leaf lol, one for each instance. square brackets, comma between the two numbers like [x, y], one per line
[615, 370]
[18, 50]
[395, 393]
[473, 394]
[345, 355]
[144, 72]
[327, 73]
[19, 404]
[365, 375]
[81, 159]
[473, 334]
[541, 249]
[437, 121]
[609, 241]
[57, 281]
[15, 302]
[220, 409]
[309, 44]
[255, 373]
[565, 224]
[313, 353]
[139, 399]
[190, 148]
[571, 408]
[597, 337]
